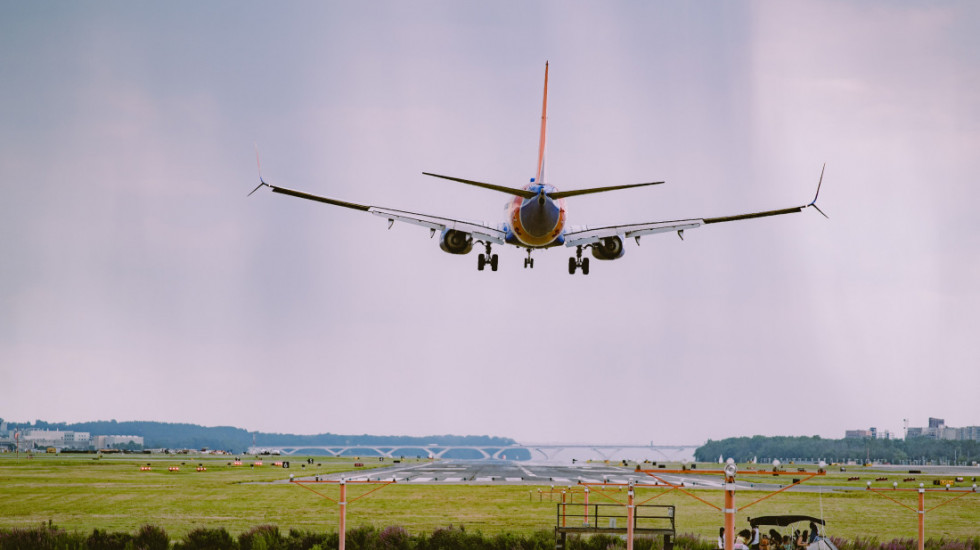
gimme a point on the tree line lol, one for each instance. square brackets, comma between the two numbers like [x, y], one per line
[915, 450]
[157, 435]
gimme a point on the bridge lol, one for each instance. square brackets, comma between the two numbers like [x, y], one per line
[549, 452]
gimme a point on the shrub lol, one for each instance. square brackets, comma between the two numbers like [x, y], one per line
[595, 542]
[306, 540]
[539, 540]
[450, 538]
[42, 537]
[263, 537]
[360, 538]
[103, 540]
[203, 538]
[394, 538]
[151, 537]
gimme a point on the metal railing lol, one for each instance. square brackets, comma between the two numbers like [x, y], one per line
[601, 517]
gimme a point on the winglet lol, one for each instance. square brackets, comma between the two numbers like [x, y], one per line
[259, 164]
[819, 183]
[257, 188]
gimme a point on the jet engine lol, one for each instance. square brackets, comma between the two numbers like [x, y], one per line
[455, 242]
[609, 248]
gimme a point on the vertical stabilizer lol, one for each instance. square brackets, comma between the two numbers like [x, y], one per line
[539, 177]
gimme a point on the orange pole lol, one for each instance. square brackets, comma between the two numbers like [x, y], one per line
[730, 513]
[343, 515]
[630, 511]
[630, 517]
[922, 518]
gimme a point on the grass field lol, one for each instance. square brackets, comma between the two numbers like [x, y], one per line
[81, 493]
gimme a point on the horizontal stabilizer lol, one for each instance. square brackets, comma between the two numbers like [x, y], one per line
[531, 194]
[509, 190]
[574, 192]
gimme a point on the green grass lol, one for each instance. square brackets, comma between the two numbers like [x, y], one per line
[81, 494]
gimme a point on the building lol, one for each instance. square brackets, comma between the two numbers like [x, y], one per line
[31, 438]
[117, 441]
[59, 439]
[857, 434]
[938, 429]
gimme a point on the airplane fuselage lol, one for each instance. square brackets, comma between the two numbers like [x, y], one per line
[537, 222]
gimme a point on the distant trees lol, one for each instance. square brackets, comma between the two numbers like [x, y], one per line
[166, 435]
[896, 451]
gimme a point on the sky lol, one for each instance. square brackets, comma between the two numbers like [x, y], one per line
[138, 282]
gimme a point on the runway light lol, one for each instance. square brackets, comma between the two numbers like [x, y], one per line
[730, 468]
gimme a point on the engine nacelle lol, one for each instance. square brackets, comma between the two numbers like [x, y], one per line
[609, 248]
[455, 242]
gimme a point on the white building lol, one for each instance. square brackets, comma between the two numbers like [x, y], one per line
[58, 439]
[113, 441]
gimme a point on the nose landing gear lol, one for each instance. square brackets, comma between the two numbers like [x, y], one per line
[529, 261]
[578, 261]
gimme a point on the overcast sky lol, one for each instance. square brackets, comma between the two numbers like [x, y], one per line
[137, 281]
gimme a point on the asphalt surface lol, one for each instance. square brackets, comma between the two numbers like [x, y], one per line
[485, 472]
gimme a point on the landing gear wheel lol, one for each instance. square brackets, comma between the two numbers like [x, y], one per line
[578, 261]
[483, 260]
[529, 261]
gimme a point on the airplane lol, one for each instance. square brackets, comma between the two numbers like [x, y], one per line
[536, 217]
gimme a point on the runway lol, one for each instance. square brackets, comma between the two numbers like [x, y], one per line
[470, 472]
[488, 472]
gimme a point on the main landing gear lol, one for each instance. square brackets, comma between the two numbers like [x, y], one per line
[529, 261]
[483, 259]
[577, 262]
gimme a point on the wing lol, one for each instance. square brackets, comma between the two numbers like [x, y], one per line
[437, 223]
[588, 235]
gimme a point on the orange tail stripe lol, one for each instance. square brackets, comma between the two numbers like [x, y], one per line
[544, 120]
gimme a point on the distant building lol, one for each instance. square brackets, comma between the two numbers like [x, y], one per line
[857, 434]
[938, 429]
[59, 439]
[116, 441]
[33, 438]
